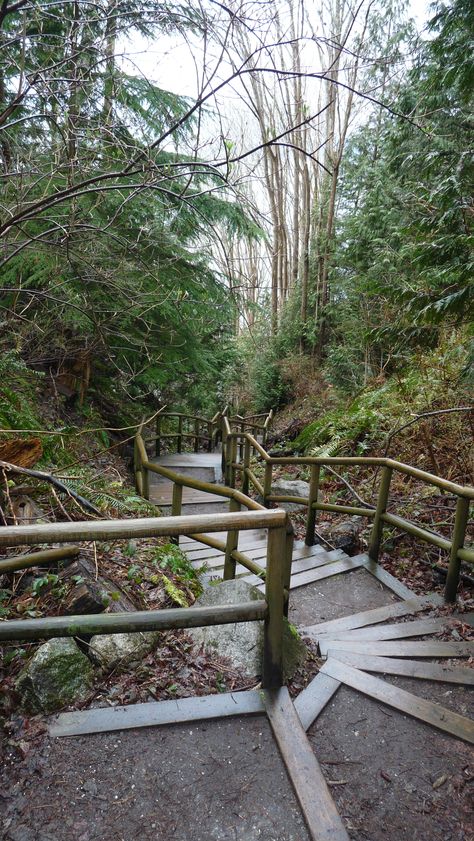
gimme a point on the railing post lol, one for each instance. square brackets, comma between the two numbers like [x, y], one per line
[158, 436]
[145, 482]
[287, 569]
[224, 449]
[137, 469]
[210, 435]
[241, 442]
[460, 526]
[196, 436]
[246, 466]
[233, 459]
[382, 502]
[176, 506]
[231, 544]
[313, 497]
[273, 635]
[179, 442]
[267, 483]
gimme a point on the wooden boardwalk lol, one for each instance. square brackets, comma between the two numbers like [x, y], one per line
[203, 466]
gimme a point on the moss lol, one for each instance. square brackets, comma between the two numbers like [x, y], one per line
[174, 592]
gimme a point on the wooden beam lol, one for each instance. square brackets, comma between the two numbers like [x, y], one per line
[427, 711]
[312, 700]
[318, 807]
[391, 582]
[399, 631]
[326, 571]
[140, 527]
[368, 617]
[157, 713]
[431, 648]
[405, 668]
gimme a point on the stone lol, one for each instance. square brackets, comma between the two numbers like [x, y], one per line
[58, 674]
[290, 487]
[242, 642]
[111, 651]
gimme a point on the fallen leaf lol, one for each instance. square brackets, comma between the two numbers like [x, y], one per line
[440, 781]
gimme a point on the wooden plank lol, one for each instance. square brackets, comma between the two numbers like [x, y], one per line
[368, 617]
[209, 552]
[431, 648]
[406, 668]
[164, 496]
[312, 700]
[188, 460]
[386, 578]
[427, 711]
[246, 536]
[157, 713]
[302, 565]
[402, 630]
[318, 807]
[326, 571]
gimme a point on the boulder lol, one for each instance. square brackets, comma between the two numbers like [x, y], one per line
[242, 642]
[290, 487]
[112, 651]
[58, 674]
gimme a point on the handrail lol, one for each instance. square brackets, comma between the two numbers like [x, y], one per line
[245, 442]
[271, 609]
[143, 467]
[238, 444]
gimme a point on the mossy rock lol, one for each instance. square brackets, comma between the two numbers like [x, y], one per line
[58, 674]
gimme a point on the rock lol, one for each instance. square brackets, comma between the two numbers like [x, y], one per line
[290, 487]
[346, 535]
[242, 642]
[116, 650]
[57, 674]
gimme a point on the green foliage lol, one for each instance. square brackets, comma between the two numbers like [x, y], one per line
[432, 379]
[121, 270]
[17, 393]
[171, 557]
[5, 596]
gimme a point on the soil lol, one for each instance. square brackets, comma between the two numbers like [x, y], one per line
[398, 778]
[215, 781]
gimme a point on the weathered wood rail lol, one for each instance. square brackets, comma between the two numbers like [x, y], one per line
[271, 609]
[239, 436]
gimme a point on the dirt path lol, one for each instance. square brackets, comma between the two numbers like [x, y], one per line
[216, 781]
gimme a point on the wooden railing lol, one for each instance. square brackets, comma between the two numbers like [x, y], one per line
[237, 442]
[237, 499]
[271, 609]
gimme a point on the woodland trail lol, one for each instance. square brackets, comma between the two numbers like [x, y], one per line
[389, 750]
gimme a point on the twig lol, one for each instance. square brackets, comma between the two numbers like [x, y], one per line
[46, 477]
[349, 487]
[7, 493]
[419, 417]
[60, 504]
